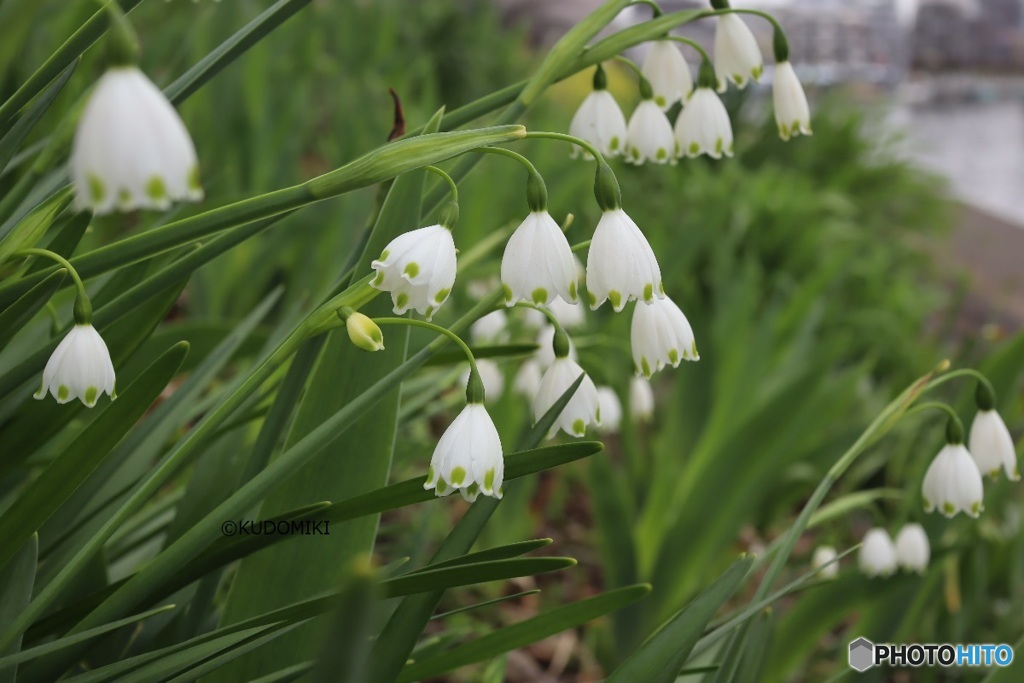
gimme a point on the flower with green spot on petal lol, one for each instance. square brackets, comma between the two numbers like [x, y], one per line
[737, 56]
[912, 548]
[621, 266]
[666, 70]
[599, 121]
[131, 149]
[953, 483]
[468, 457]
[79, 367]
[649, 136]
[538, 264]
[792, 114]
[992, 446]
[660, 335]
[418, 269]
[703, 127]
[583, 408]
[877, 556]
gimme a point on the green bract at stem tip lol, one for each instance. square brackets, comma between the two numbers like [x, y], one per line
[706, 77]
[452, 187]
[83, 307]
[560, 341]
[122, 43]
[646, 92]
[475, 386]
[985, 394]
[954, 430]
[720, 4]
[780, 45]
[536, 189]
[656, 10]
[600, 78]
[606, 188]
[449, 215]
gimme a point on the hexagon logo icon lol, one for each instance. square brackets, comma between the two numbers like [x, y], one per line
[862, 654]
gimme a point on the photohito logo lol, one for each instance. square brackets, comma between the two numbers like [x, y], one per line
[864, 654]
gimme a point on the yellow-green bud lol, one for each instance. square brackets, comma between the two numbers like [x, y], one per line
[363, 332]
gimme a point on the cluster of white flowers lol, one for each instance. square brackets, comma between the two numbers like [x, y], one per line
[880, 556]
[703, 125]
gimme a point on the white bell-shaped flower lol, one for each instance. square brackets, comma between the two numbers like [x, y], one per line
[621, 266]
[611, 410]
[583, 408]
[492, 327]
[877, 554]
[418, 269]
[79, 367]
[660, 335]
[527, 380]
[599, 121]
[823, 561]
[666, 70]
[641, 399]
[703, 127]
[569, 316]
[492, 377]
[912, 548]
[953, 483]
[538, 263]
[468, 457]
[792, 114]
[649, 136]
[131, 149]
[992, 446]
[737, 55]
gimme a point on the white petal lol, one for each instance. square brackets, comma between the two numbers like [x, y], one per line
[649, 135]
[621, 266]
[792, 114]
[737, 56]
[668, 73]
[600, 122]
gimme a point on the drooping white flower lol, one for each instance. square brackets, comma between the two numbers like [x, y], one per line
[703, 127]
[599, 121]
[792, 115]
[527, 379]
[538, 263]
[666, 70]
[468, 457]
[611, 410]
[569, 316]
[649, 136]
[737, 55]
[953, 483]
[621, 266]
[492, 377]
[877, 554]
[79, 367]
[660, 335]
[822, 560]
[583, 408]
[489, 328]
[992, 446]
[418, 269]
[641, 399]
[912, 548]
[131, 149]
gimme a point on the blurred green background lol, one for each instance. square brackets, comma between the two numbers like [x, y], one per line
[804, 269]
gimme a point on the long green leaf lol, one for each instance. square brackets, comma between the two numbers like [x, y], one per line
[477, 572]
[525, 632]
[660, 659]
[59, 480]
[24, 309]
[16, 581]
[11, 142]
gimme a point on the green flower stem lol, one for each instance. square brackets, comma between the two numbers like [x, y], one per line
[954, 427]
[536, 188]
[374, 167]
[962, 372]
[67, 53]
[123, 43]
[475, 390]
[655, 7]
[560, 340]
[606, 185]
[646, 92]
[882, 423]
[591, 56]
[780, 43]
[182, 455]
[694, 44]
[83, 307]
[448, 179]
[581, 246]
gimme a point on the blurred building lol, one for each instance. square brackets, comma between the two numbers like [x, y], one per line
[967, 35]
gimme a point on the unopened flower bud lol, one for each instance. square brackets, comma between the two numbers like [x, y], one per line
[363, 332]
